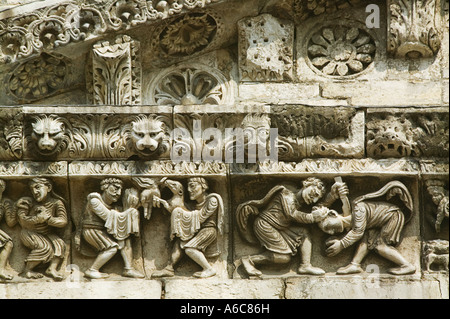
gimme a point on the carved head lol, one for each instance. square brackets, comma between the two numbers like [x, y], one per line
[40, 188]
[331, 222]
[313, 190]
[112, 189]
[197, 186]
[148, 136]
[174, 186]
[49, 135]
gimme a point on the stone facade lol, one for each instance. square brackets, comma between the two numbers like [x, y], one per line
[228, 149]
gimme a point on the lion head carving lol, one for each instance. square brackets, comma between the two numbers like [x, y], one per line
[148, 136]
[49, 135]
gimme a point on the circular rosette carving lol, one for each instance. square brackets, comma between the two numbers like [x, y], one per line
[38, 78]
[188, 34]
[341, 51]
[191, 85]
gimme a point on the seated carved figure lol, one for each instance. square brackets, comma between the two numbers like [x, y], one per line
[277, 225]
[374, 225]
[39, 216]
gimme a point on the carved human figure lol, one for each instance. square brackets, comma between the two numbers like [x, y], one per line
[374, 225]
[439, 196]
[194, 231]
[107, 227]
[6, 243]
[277, 224]
[39, 218]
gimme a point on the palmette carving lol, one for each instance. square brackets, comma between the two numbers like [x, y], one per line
[116, 73]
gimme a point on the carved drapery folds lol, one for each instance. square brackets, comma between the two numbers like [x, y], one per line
[413, 28]
[116, 72]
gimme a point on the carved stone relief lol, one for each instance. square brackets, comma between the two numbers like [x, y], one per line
[338, 50]
[11, 142]
[407, 134]
[190, 85]
[413, 30]
[114, 77]
[265, 49]
[38, 78]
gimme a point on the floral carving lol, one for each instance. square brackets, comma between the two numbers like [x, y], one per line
[341, 51]
[38, 78]
[191, 85]
[188, 34]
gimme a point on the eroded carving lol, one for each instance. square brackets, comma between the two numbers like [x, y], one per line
[439, 196]
[341, 51]
[265, 49]
[435, 255]
[304, 9]
[38, 78]
[11, 141]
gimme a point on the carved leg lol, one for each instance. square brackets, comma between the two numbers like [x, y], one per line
[4, 255]
[101, 259]
[393, 255]
[29, 273]
[175, 257]
[355, 266]
[127, 255]
[250, 262]
[305, 266]
[52, 269]
[197, 256]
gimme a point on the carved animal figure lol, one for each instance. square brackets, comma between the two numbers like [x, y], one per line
[436, 253]
[151, 189]
[177, 200]
[49, 135]
[147, 135]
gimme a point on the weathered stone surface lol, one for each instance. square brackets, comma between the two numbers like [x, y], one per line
[225, 289]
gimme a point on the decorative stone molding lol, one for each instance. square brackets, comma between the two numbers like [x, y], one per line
[116, 72]
[413, 28]
[11, 142]
[70, 21]
[304, 9]
[341, 51]
[190, 84]
[265, 49]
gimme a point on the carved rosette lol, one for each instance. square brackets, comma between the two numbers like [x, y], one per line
[190, 85]
[413, 28]
[341, 51]
[38, 78]
[115, 72]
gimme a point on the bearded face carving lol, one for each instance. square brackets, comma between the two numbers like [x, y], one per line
[49, 135]
[148, 136]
